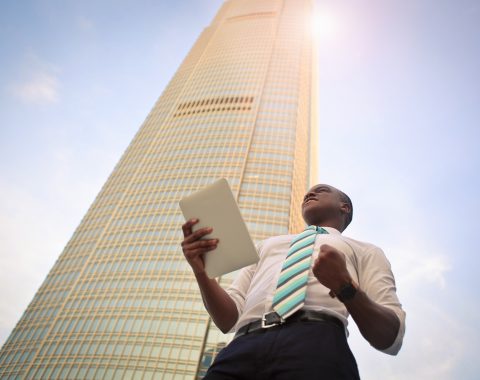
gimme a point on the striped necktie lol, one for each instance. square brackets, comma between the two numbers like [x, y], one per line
[292, 283]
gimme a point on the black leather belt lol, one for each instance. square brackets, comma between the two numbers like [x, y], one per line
[272, 319]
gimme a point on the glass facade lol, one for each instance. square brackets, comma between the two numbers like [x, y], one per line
[121, 301]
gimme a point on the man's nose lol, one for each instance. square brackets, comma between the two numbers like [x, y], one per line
[310, 193]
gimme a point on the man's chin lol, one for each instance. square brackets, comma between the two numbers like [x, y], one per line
[309, 217]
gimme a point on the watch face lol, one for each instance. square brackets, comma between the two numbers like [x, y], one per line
[347, 293]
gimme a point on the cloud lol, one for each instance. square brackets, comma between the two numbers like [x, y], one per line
[431, 269]
[41, 88]
[38, 82]
[435, 343]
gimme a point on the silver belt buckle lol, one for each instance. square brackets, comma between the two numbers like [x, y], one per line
[271, 319]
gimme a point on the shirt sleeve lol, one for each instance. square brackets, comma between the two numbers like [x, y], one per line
[239, 287]
[377, 281]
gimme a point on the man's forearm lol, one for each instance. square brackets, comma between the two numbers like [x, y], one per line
[218, 303]
[378, 324]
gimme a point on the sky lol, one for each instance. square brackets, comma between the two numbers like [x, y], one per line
[399, 129]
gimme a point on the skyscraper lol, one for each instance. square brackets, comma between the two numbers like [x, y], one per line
[121, 301]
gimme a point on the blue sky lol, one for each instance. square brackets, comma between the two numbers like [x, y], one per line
[399, 116]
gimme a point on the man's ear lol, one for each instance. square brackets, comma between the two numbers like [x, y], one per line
[345, 208]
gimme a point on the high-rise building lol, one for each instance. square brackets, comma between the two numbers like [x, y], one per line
[121, 301]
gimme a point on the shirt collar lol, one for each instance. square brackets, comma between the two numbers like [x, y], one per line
[332, 230]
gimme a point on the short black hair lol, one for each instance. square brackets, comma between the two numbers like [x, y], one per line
[346, 199]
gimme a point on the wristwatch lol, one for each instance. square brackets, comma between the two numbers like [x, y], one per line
[346, 293]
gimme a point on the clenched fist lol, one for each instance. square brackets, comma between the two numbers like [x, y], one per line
[330, 268]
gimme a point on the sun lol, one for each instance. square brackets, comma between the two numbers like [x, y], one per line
[324, 25]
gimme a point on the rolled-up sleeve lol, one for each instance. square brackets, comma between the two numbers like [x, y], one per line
[377, 281]
[239, 287]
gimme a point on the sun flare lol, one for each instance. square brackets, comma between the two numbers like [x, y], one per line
[324, 25]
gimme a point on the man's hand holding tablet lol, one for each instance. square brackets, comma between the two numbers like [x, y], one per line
[194, 247]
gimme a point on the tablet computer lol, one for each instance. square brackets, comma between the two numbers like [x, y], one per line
[215, 206]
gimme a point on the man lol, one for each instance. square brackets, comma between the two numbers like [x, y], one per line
[290, 309]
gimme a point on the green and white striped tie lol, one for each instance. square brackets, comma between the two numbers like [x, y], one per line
[292, 283]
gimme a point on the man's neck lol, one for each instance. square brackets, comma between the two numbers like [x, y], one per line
[330, 223]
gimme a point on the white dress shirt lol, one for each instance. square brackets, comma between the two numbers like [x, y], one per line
[254, 287]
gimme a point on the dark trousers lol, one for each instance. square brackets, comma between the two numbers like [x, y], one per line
[294, 351]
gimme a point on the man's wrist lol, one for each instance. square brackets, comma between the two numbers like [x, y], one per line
[201, 275]
[345, 292]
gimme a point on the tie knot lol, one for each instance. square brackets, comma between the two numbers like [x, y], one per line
[319, 230]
